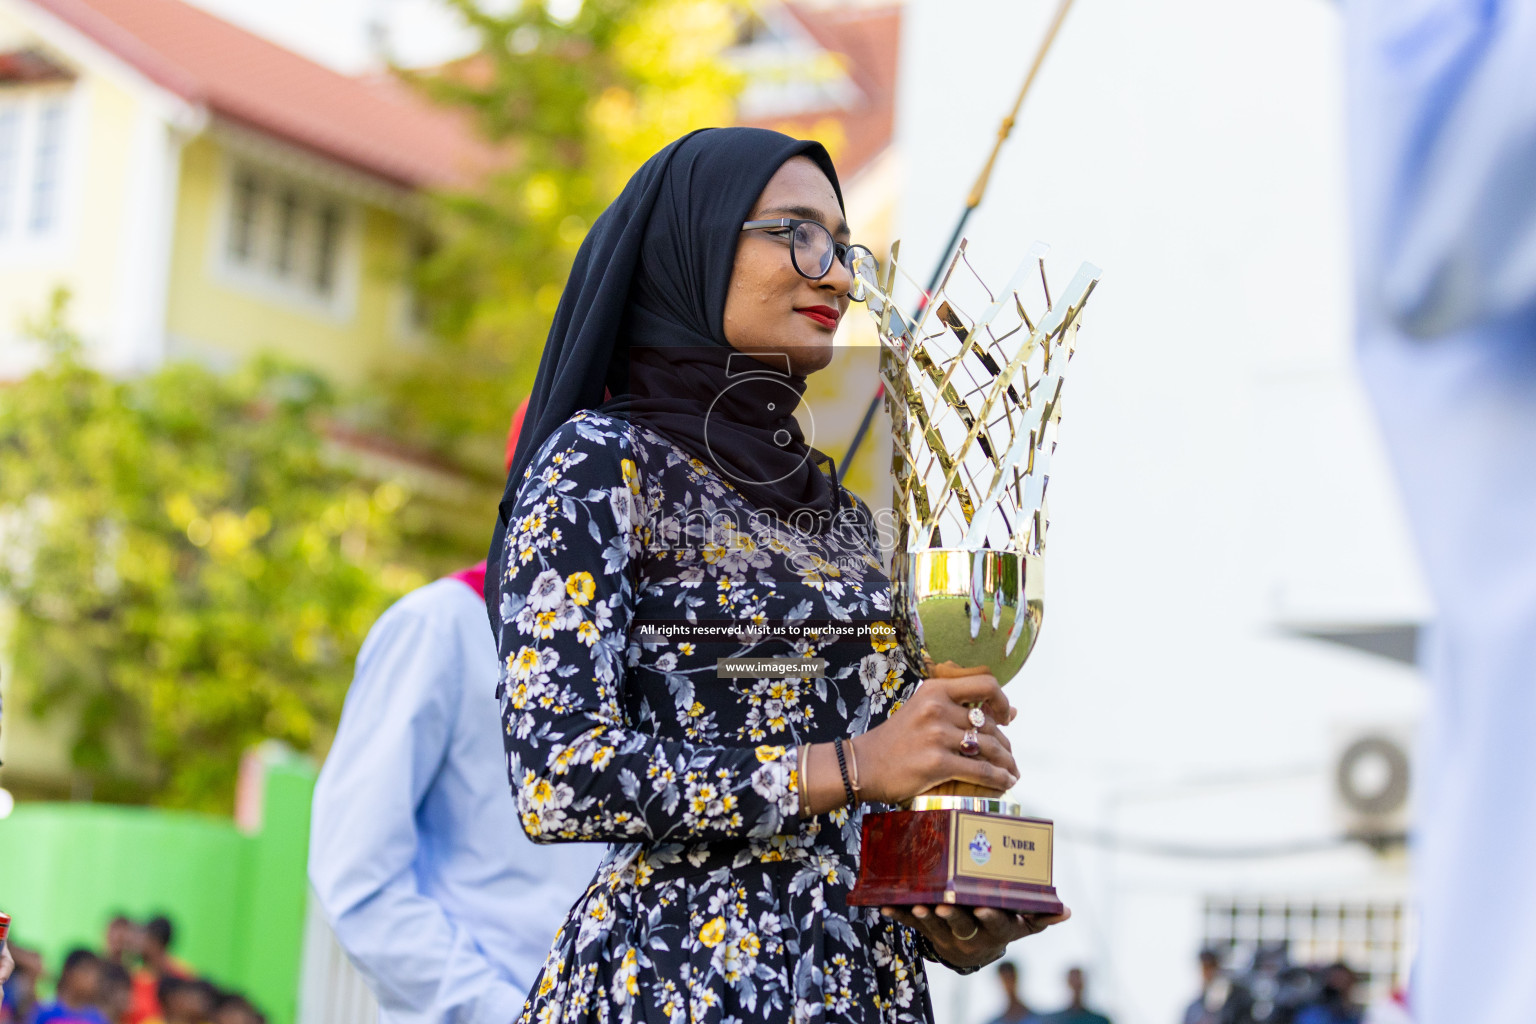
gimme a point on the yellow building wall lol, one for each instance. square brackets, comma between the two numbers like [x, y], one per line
[211, 314]
[87, 259]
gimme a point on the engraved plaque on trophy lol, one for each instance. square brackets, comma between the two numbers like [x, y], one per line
[973, 382]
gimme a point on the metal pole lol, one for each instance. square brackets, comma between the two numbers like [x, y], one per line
[972, 200]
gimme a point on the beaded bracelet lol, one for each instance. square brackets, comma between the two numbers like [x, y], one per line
[842, 766]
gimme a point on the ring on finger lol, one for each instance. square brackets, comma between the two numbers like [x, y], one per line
[977, 717]
[970, 743]
[966, 938]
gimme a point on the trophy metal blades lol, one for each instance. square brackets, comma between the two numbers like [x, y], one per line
[973, 387]
[975, 401]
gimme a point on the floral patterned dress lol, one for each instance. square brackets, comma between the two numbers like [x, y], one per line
[629, 569]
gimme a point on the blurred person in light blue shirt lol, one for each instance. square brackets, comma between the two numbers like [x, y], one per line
[1015, 1010]
[1442, 97]
[1077, 1011]
[1210, 1006]
[416, 853]
[1336, 1004]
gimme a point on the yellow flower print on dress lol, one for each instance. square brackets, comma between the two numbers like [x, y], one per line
[540, 793]
[580, 586]
[702, 798]
[625, 978]
[524, 663]
[713, 932]
[700, 913]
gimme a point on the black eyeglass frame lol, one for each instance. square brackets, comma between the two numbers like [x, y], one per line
[844, 253]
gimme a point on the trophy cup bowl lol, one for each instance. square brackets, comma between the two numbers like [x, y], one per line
[974, 403]
[976, 609]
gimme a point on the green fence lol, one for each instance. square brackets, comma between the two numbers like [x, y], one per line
[237, 899]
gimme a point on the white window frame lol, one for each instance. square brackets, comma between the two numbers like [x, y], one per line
[20, 241]
[406, 318]
[257, 275]
[1374, 934]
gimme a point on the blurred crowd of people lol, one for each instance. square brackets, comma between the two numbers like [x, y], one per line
[1265, 988]
[1016, 1011]
[1269, 989]
[133, 979]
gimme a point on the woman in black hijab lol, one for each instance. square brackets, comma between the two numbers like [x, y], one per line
[681, 520]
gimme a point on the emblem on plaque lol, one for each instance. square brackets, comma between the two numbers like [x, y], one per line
[981, 847]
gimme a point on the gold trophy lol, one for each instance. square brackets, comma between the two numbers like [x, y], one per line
[974, 401]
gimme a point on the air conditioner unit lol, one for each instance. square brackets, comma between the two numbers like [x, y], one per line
[1372, 770]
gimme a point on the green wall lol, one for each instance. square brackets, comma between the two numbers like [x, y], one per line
[237, 900]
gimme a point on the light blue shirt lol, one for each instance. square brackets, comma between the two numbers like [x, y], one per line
[1443, 149]
[416, 853]
[1443, 137]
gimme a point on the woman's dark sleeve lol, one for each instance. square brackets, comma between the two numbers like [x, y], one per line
[567, 577]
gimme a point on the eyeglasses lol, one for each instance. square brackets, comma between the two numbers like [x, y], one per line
[812, 250]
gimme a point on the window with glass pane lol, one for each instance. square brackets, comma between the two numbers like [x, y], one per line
[243, 217]
[284, 234]
[47, 167]
[10, 160]
[327, 241]
[288, 211]
[423, 246]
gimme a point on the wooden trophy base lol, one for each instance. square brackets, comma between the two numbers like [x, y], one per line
[960, 844]
[970, 858]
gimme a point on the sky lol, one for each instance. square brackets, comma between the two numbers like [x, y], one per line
[339, 33]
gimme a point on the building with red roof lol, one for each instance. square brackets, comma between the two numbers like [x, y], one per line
[202, 191]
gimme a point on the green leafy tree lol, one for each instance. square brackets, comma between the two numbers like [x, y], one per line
[577, 104]
[190, 570]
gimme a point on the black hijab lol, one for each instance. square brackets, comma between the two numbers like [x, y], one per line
[642, 317]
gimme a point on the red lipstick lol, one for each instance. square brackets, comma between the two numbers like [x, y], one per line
[824, 316]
